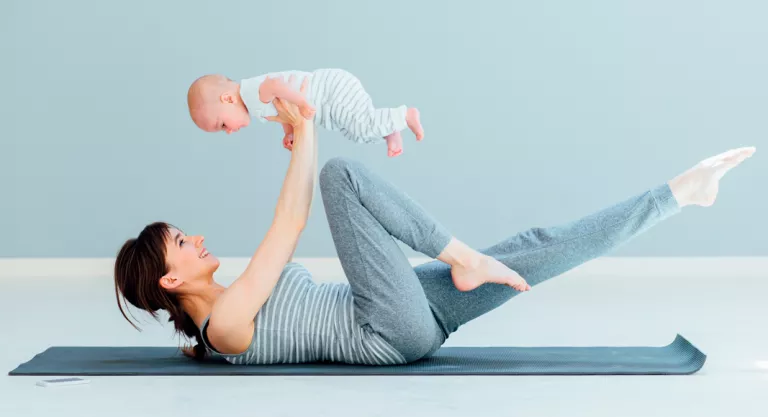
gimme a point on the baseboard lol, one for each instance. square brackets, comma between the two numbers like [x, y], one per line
[329, 269]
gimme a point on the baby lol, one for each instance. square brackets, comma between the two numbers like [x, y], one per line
[334, 97]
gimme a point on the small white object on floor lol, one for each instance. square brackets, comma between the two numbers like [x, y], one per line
[62, 382]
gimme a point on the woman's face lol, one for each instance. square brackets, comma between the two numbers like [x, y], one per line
[188, 259]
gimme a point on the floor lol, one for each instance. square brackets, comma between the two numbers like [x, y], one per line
[724, 316]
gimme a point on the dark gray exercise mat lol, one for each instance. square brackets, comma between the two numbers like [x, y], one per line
[678, 358]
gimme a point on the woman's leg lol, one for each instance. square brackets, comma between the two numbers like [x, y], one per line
[539, 254]
[364, 213]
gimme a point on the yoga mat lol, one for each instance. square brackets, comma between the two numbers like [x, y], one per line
[678, 358]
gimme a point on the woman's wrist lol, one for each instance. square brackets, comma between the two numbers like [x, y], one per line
[302, 128]
[299, 127]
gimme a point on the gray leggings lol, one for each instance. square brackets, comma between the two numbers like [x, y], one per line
[416, 309]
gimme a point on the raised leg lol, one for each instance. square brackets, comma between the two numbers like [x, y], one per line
[540, 254]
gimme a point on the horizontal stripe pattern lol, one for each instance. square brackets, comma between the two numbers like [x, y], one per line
[306, 322]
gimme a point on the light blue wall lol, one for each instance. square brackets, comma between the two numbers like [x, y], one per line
[535, 112]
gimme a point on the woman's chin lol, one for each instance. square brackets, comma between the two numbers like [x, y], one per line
[212, 263]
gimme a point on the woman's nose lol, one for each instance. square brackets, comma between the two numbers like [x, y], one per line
[199, 241]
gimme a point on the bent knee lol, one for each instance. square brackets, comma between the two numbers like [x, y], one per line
[334, 169]
[418, 342]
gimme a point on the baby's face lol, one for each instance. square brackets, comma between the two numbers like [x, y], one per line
[229, 117]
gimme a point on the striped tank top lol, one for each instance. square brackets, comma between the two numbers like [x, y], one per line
[302, 321]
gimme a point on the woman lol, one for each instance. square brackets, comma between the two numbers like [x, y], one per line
[389, 312]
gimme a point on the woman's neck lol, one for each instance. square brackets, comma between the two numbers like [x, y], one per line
[200, 304]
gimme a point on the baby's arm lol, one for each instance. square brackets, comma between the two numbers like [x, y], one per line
[276, 87]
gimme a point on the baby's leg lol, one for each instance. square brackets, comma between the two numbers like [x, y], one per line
[395, 139]
[350, 110]
[394, 144]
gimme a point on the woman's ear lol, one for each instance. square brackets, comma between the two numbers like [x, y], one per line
[170, 282]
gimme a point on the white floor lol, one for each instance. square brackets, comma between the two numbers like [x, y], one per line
[721, 312]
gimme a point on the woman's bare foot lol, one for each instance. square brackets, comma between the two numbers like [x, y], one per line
[486, 270]
[699, 185]
[471, 269]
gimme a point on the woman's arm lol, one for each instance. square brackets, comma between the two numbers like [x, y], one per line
[230, 328]
[314, 178]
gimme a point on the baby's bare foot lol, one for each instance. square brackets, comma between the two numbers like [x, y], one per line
[394, 144]
[412, 118]
[700, 184]
[486, 270]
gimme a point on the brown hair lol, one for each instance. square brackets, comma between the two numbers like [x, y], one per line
[139, 265]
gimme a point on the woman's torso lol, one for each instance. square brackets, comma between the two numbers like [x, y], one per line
[303, 321]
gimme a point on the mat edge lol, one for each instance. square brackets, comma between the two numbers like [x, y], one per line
[697, 357]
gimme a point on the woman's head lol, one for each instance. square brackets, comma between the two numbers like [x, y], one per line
[161, 266]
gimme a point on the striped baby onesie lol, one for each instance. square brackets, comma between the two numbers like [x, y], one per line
[306, 322]
[341, 104]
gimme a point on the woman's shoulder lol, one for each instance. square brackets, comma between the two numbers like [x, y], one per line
[293, 274]
[295, 269]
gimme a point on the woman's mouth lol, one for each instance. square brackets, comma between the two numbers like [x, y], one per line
[203, 254]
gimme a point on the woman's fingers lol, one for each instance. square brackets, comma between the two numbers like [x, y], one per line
[279, 105]
[280, 109]
[304, 84]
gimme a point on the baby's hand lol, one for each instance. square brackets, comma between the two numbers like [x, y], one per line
[307, 111]
[288, 138]
[288, 141]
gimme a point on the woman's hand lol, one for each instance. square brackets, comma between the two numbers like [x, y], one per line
[288, 113]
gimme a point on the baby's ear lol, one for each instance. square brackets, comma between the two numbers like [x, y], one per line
[228, 97]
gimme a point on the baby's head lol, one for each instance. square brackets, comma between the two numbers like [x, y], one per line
[215, 104]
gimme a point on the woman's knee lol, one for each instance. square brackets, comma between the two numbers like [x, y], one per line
[418, 340]
[335, 169]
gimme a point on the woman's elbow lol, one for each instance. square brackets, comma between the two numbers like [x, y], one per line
[299, 225]
[292, 224]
